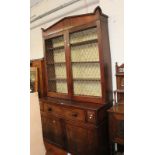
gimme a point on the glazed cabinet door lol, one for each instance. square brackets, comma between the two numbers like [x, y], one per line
[85, 62]
[56, 65]
[81, 141]
[53, 130]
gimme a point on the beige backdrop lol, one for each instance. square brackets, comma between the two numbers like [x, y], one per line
[36, 138]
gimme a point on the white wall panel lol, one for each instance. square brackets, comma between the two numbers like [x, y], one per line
[114, 9]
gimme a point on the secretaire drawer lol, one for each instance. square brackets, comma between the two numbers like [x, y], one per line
[74, 114]
[52, 109]
[66, 113]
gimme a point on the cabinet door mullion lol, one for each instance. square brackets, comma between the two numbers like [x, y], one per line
[68, 64]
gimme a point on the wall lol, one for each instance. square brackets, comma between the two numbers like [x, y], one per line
[113, 8]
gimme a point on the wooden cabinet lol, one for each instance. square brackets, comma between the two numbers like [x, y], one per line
[78, 83]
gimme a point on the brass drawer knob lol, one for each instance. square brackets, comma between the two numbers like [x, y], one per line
[75, 114]
[90, 116]
[49, 109]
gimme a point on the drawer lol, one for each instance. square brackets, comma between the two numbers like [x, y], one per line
[52, 109]
[66, 113]
[74, 114]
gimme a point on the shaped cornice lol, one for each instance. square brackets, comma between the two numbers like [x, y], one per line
[71, 21]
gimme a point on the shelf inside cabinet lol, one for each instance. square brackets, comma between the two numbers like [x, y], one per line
[57, 79]
[54, 48]
[84, 42]
[86, 70]
[87, 87]
[55, 63]
[85, 62]
[86, 79]
[57, 85]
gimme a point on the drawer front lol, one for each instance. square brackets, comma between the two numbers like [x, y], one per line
[74, 114]
[52, 109]
[66, 113]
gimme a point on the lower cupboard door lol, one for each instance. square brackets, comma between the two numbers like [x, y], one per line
[53, 130]
[81, 141]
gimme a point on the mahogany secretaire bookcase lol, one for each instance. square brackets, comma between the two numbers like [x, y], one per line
[78, 84]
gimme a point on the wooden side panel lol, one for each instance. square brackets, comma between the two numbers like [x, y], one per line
[107, 61]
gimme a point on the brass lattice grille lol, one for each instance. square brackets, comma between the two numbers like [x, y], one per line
[89, 87]
[56, 71]
[87, 52]
[59, 55]
[50, 72]
[49, 57]
[59, 86]
[86, 70]
[58, 41]
[84, 35]
[60, 70]
[85, 63]
[51, 86]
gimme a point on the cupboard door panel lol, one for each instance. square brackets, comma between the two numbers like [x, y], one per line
[53, 130]
[77, 139]
[80, 140]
